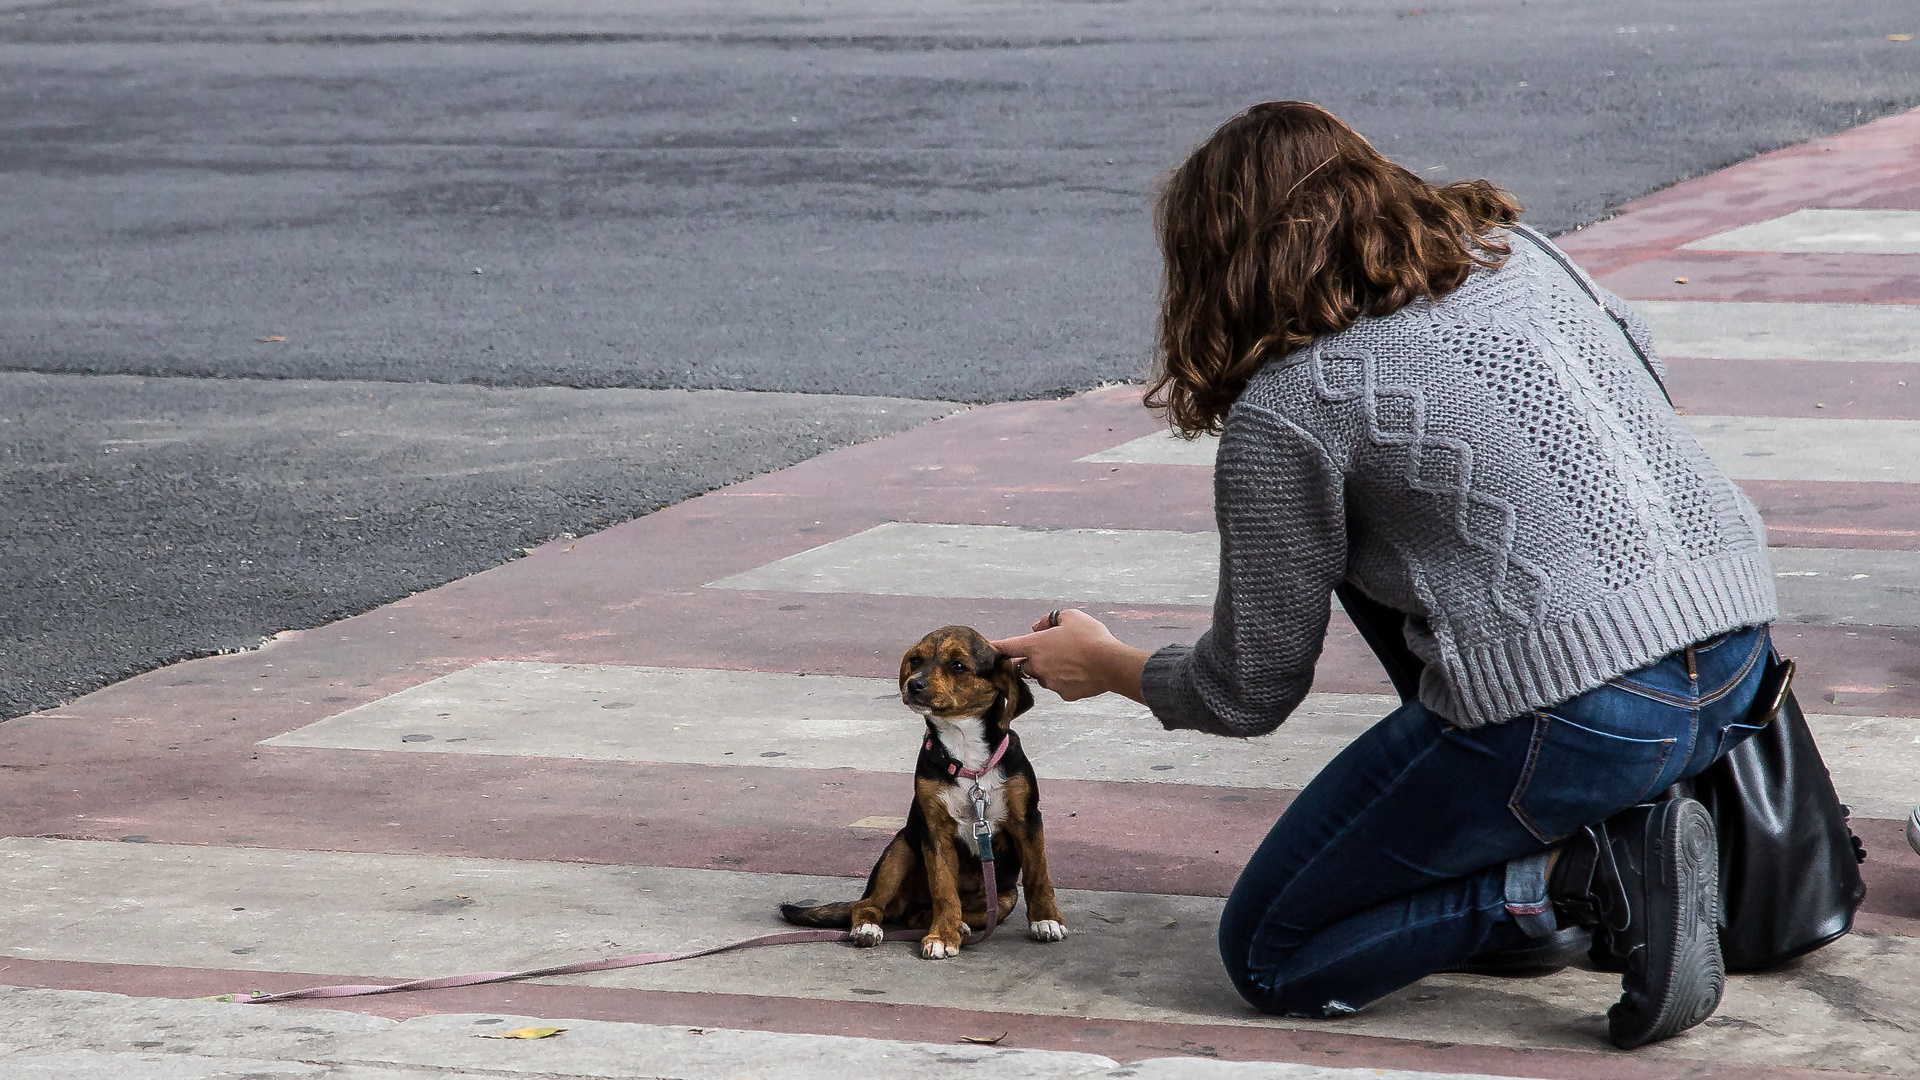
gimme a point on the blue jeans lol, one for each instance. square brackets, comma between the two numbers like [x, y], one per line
[1394, 862]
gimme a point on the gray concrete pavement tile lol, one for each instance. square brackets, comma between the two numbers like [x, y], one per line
[1786, 331]
[1819, 229]
[595, 1048]
[77, 1035]
[54, 1020]
[109, 1065]
[1817, 586]
[1821, 450]
[724, 717]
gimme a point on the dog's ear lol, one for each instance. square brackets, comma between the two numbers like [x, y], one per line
[1013, 686]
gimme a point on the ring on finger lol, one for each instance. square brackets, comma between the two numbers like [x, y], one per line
[1053, 617]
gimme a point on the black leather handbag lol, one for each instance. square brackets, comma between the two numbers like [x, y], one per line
[1789, 864]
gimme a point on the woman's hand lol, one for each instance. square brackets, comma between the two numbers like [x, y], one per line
[1078, 658]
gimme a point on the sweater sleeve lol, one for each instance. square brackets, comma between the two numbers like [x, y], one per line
[1279, 500]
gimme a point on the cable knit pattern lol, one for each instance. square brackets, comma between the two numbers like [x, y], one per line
[1498, 465]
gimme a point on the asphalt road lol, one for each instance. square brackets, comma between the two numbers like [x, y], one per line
[923, 200]
[171, 517]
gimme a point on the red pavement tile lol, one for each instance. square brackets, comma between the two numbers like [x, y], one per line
[1816, 389]
[1885, 517]
[1858, 671]
[1771, 277]
[1104, 836]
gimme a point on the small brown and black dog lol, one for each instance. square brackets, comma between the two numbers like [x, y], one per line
[929, 876]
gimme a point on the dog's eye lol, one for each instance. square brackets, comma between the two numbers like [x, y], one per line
[958, 667]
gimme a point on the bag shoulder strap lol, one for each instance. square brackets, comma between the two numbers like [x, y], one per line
[1578, 279]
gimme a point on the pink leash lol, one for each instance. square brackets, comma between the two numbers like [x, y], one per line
[982, 834]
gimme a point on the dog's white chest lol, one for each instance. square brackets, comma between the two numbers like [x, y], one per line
[959, 803]
[962, 741]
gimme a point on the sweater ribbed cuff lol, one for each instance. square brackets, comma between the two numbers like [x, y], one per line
[1167, 684]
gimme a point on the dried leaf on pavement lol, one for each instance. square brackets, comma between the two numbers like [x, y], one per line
[522, 1033]
[984, 1040]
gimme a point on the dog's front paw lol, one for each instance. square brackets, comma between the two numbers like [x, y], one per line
[868, 934]
[933, 948]
[1047, 930]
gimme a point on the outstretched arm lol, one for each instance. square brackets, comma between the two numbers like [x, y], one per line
[1280, 502]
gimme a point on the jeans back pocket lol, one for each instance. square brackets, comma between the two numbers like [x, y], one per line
[1576, 776]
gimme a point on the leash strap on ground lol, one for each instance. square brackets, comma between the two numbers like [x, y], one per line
[613, 963]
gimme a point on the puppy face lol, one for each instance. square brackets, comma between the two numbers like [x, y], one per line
[953, 674]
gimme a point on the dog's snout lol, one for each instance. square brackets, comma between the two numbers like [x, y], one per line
[916, 686]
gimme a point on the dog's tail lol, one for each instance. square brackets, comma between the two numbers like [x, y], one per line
[831, 916]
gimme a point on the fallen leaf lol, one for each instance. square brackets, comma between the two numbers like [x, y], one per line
[1113, 920]
[1899, 37]
[984, 1040]
[521, 1033]
[698, 1031]
[1679, 281]
[274, 337]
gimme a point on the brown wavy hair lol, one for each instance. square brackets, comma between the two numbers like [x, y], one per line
[1286, 225]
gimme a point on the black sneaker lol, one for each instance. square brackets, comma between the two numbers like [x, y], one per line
[1650, 879]
[1542, 956]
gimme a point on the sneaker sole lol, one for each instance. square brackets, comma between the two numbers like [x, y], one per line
[1698, 975]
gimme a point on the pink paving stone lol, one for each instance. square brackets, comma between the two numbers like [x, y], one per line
[1771, 277]
[1862, 515]
[1816, 389]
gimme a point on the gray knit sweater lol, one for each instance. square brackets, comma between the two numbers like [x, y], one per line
[1497, 464]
